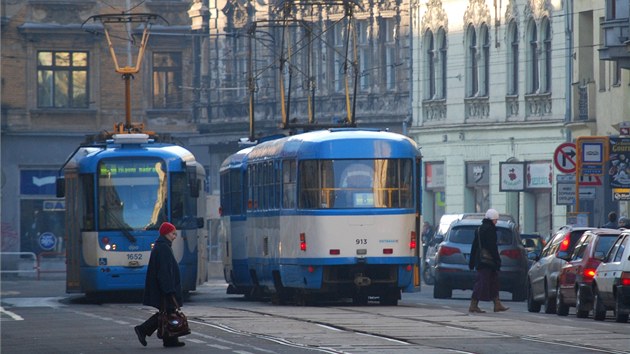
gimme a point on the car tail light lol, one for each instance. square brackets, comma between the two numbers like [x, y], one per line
[448, 251]
[564, 245]
[514, 254]
[589, 269]
[625, 279]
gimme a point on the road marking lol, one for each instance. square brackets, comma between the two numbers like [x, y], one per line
[13, 315]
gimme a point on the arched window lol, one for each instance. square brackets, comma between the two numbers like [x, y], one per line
[472, 67]
[532, 58]
[512, 69]
[429, 46]
[441, 64]
[545, 75]
[484, 68]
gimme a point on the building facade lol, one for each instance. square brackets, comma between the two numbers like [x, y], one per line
[59, 85]
[501, 85]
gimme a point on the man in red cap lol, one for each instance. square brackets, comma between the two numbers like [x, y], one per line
[162, 282]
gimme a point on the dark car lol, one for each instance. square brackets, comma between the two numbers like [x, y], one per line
[542, 278]
[576, 277]
[451, 263]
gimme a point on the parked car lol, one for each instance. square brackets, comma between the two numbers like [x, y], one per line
[542, 278]
[611, 284]
[451, 263]
[576, 277]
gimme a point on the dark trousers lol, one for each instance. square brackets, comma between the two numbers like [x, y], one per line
[151, 325]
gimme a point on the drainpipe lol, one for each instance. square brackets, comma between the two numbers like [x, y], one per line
[568, 31]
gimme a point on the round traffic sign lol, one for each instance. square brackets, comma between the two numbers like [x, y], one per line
[564, 157]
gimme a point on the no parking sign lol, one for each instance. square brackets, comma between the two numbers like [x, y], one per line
[565, 158]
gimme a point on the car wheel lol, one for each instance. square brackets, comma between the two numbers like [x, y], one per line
[562, 309]
[599, 311]
[550, 303]
[532, 305]
[620, 317]
[441, 291]
[581, 305]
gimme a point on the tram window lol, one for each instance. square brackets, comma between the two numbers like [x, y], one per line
[289, 173]
[380, 183]
[309, 185]
[183, 206]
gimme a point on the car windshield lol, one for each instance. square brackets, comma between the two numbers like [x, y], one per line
[466, 234]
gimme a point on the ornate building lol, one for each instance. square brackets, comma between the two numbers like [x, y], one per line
[502, 85]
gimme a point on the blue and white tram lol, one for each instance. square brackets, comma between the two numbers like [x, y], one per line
[233, 207]
[118, 192]
[330, 214]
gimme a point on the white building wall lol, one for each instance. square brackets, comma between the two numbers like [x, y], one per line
[494, 138]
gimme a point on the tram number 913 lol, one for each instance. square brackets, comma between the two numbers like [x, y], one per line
[134, 256]
[361, 241]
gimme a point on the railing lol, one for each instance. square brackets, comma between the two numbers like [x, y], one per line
[39, 262]
[7, 259]
[12, 263]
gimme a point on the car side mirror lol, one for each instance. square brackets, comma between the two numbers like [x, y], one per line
[532, 256]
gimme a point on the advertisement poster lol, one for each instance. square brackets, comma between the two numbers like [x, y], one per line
[619, 163]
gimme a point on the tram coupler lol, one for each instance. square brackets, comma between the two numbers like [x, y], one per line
[361, 281]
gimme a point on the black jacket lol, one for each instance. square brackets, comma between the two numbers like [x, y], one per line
[488, 234]
[163, 278]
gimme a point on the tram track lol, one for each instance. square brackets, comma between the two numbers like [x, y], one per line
[440, 343]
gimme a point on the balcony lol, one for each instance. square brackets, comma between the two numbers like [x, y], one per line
[616, 44]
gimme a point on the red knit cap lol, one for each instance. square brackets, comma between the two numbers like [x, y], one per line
[166, 228]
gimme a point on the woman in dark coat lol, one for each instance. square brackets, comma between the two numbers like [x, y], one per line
[486, 286]
[162, 282]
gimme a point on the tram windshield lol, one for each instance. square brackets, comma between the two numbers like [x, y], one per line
[380, 183]
[132, 194]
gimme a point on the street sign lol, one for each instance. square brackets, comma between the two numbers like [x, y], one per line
[587, 193]
[592, 152]
[621, 194]
[565, 193]
[564, 157]
[590, 180]
[569, 178]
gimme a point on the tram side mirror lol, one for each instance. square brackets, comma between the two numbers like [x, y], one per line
[60, 187]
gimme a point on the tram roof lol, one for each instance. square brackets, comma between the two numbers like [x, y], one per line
[338, 143]
[89, 156]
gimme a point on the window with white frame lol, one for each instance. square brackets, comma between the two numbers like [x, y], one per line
[484, 67]
[472, 63]
[545, 37]
[533, 81]
[62, 79]
[340, 67]
[363, 46]
[429, 67]
[440, 73]
[389, 44]
[512, 60]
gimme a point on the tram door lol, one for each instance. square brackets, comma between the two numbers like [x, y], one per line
[73, 232]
